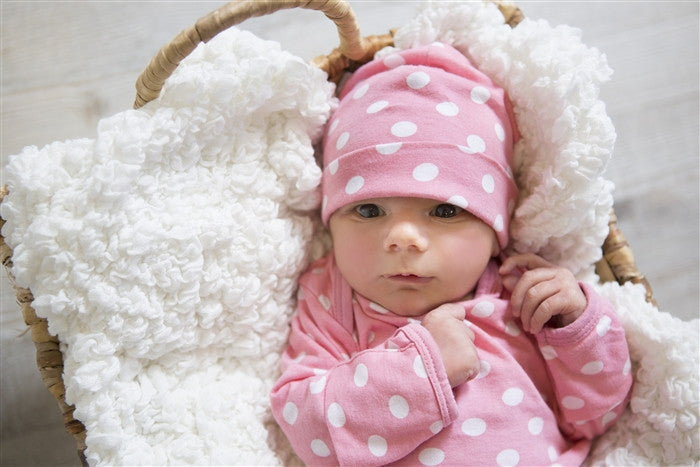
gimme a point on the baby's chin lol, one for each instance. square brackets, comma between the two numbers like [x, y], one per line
[416, 308]
[413, 312]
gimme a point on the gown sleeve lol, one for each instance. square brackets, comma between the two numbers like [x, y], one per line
[341, 405]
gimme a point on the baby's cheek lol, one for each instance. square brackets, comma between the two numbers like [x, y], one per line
[356, 264]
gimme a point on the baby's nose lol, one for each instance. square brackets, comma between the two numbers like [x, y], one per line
[405, 236]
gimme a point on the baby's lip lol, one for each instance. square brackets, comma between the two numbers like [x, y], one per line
[408, 278]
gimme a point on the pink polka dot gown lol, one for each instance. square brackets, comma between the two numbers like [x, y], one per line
[363, 386]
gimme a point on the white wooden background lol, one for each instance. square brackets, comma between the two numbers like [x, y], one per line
[65, 64]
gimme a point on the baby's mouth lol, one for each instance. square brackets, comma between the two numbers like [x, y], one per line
[409, 278]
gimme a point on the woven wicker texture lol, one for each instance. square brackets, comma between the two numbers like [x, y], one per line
[149, 84]
[617, 264]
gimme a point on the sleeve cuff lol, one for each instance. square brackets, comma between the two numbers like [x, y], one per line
[579, 329]
[433, 369]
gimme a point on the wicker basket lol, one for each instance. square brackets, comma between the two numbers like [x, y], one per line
[617, 264]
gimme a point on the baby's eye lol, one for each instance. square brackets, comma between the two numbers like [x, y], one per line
[446, 210]
[368, 210]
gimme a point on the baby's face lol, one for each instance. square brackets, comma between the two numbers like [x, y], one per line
[410, 255]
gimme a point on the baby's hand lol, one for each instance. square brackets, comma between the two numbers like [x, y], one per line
[541, 291]
[455, 340]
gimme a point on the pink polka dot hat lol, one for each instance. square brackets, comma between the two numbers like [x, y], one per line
[423, 122]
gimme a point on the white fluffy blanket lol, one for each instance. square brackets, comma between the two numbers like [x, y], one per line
[164, 253]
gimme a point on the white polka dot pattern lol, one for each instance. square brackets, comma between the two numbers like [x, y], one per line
[436, 427]
[376, 107]
[592, 368]
[513, 396]
[474, 427]
[425, 172]
[320, 448]
[480, 95]
[448, 109]
[404, 129]
[398, 406]
[508, 457]
[342, 140]
[573, 402]
[535, 425]
[419, 367]
[316, 387]
[336, 415]
[361, 91]
[290, 413]
[377, 445]
[418, 80]
[392, 61]
[483, 309]
[354, 185]
[361, 375]
[388, 148]
[431, 456]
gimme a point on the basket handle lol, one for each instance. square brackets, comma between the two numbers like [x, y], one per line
[151, 80]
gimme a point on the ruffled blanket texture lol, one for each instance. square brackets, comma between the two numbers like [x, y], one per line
[165, 252]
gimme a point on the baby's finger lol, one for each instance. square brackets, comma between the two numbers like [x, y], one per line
[469, 331]
[547, 309]
[472, 362]
[523, 261]
[509, 281]
[451, 309]
[523, 286]
[536, 304]
[456, 311]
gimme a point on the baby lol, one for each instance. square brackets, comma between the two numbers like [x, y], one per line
[416, 341]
